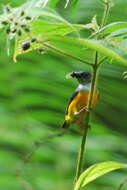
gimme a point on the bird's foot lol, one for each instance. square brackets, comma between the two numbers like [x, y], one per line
[88, 109]
[82, 110]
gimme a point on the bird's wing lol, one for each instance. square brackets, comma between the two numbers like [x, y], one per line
[71, 99]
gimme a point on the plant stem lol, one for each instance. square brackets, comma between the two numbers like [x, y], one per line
[89, 105]
[66, 54]
[105, 15]
[87, 119]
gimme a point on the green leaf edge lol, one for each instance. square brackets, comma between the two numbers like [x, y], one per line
[92, 44]
[80, 183]
[108, 29]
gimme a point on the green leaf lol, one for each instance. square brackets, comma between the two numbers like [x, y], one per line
[37, 3]
[74, 3]
[43, 31]
[50, 16]
[45, 2]
[104, 47]
[121, 34]
[96, 171]
[73, 9]
[80, 47]
[47, 13]
[108, 29]
[49, 29]
[53, 3]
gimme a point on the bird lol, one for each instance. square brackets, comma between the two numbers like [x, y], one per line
[77, 106]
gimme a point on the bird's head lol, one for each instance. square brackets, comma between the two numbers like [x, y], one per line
[82, 76]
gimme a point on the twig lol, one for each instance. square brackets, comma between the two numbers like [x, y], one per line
[66, 54]
[40, 142]
[25, 184]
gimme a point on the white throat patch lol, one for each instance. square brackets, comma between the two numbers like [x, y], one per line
[85, 87]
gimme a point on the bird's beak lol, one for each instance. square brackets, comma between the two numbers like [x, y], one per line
[70, 75]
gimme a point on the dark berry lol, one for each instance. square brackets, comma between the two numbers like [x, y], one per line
[23, 25]
[25, 46]
[4, 22]
[8, 30]
[27, 29]
[28, 18]
[8, 8]
[19, 33]
[22, 13]
[33, 40]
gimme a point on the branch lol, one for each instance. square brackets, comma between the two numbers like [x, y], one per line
[66, 54]
[40, 142]
[25, 184]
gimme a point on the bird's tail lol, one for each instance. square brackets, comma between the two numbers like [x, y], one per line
[65, 125]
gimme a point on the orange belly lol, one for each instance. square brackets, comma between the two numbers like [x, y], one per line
[78, 104]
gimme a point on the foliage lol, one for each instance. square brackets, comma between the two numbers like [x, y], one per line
[95, 171]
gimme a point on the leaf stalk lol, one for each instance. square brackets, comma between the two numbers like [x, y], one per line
[66, 54]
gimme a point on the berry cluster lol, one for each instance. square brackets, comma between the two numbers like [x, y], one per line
[16, 21]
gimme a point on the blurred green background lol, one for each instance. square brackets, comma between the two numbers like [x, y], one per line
[33, 97]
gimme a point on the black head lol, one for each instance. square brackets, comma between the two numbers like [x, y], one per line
[82, 76]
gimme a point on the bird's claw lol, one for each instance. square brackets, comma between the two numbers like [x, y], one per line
[88, 109]
[83, 109]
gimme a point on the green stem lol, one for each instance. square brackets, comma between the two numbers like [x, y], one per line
[66, 54]
[105, 15]
[87, 119]
[89, 106]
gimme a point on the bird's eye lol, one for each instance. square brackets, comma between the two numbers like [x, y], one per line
[87, 75]
[83, 75]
